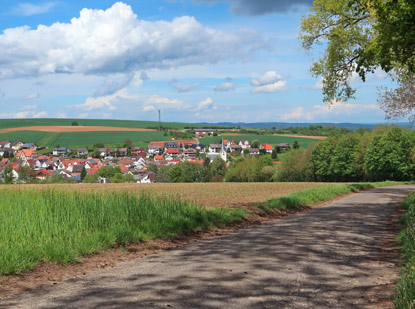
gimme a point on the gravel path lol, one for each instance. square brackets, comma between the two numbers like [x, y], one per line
[336, 256]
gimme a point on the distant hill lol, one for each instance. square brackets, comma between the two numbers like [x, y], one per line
[278, 125]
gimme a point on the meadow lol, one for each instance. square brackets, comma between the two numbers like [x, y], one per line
[270, 139]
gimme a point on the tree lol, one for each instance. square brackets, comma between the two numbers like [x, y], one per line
[296, 145]
[8, 174]
[217, 169]
[388, 156]
[83, 173]
[255, 144]
[98, 145]
[274, 154]
[129, 178]
[361, 36]
[90, 179]
[128, 143]
[74, 123]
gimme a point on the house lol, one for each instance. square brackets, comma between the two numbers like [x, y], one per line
[60, 151]
[121, 152]
[147, 177]
[253, 151]
[171, 145]
[82, 152]
[29, 146]
[26, 154]
[8, 150]
[235, 148]
[137, 150]
[172, 153]
[228, 143]
[200, 147]
[103, 152]
[203, 131]
[283, 147]
[267, 147]
[190, 152]
[215, 148]
[5, 144]
[155, 149]
[158, 158]
[140, 163]
[13, 172]
[16, 145]
[42, 174]
[245, 144]
[126, 162]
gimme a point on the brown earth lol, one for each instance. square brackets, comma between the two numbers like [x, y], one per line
[63, 129]
[303, 136]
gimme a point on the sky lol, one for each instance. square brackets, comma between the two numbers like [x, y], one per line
[195, 60]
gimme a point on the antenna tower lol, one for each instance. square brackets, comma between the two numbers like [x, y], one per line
[159, 120]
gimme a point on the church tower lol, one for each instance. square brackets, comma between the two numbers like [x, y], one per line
[223, 153]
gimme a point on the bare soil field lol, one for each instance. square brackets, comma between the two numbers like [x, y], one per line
[203, 194]
[304, 136]
[64, 129]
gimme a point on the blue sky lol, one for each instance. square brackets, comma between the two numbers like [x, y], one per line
[196, 60]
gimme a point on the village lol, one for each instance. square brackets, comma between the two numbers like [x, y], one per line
[20, 159]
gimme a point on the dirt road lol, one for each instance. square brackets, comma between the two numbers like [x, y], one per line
[338, 256]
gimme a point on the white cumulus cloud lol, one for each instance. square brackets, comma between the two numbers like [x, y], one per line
[115, 41]
[107, 101]
[268, 83]
[205, 104]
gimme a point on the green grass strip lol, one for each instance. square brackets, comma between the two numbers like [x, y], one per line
[319, 194]
[405, 291]
[55, 226]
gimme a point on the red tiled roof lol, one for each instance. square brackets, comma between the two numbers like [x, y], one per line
[172, 150]
[27, 152]
[45, 172]
[266, 146]
[158, 157]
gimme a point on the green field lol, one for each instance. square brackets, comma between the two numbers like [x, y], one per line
[15, 123]
[70, 139]
[270, 139]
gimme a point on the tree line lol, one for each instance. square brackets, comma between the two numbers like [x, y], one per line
[386, 153]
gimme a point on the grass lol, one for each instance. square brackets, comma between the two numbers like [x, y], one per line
[270, 139]
[80, 139]
[405, 291]
[319, 194]
[57, 226]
